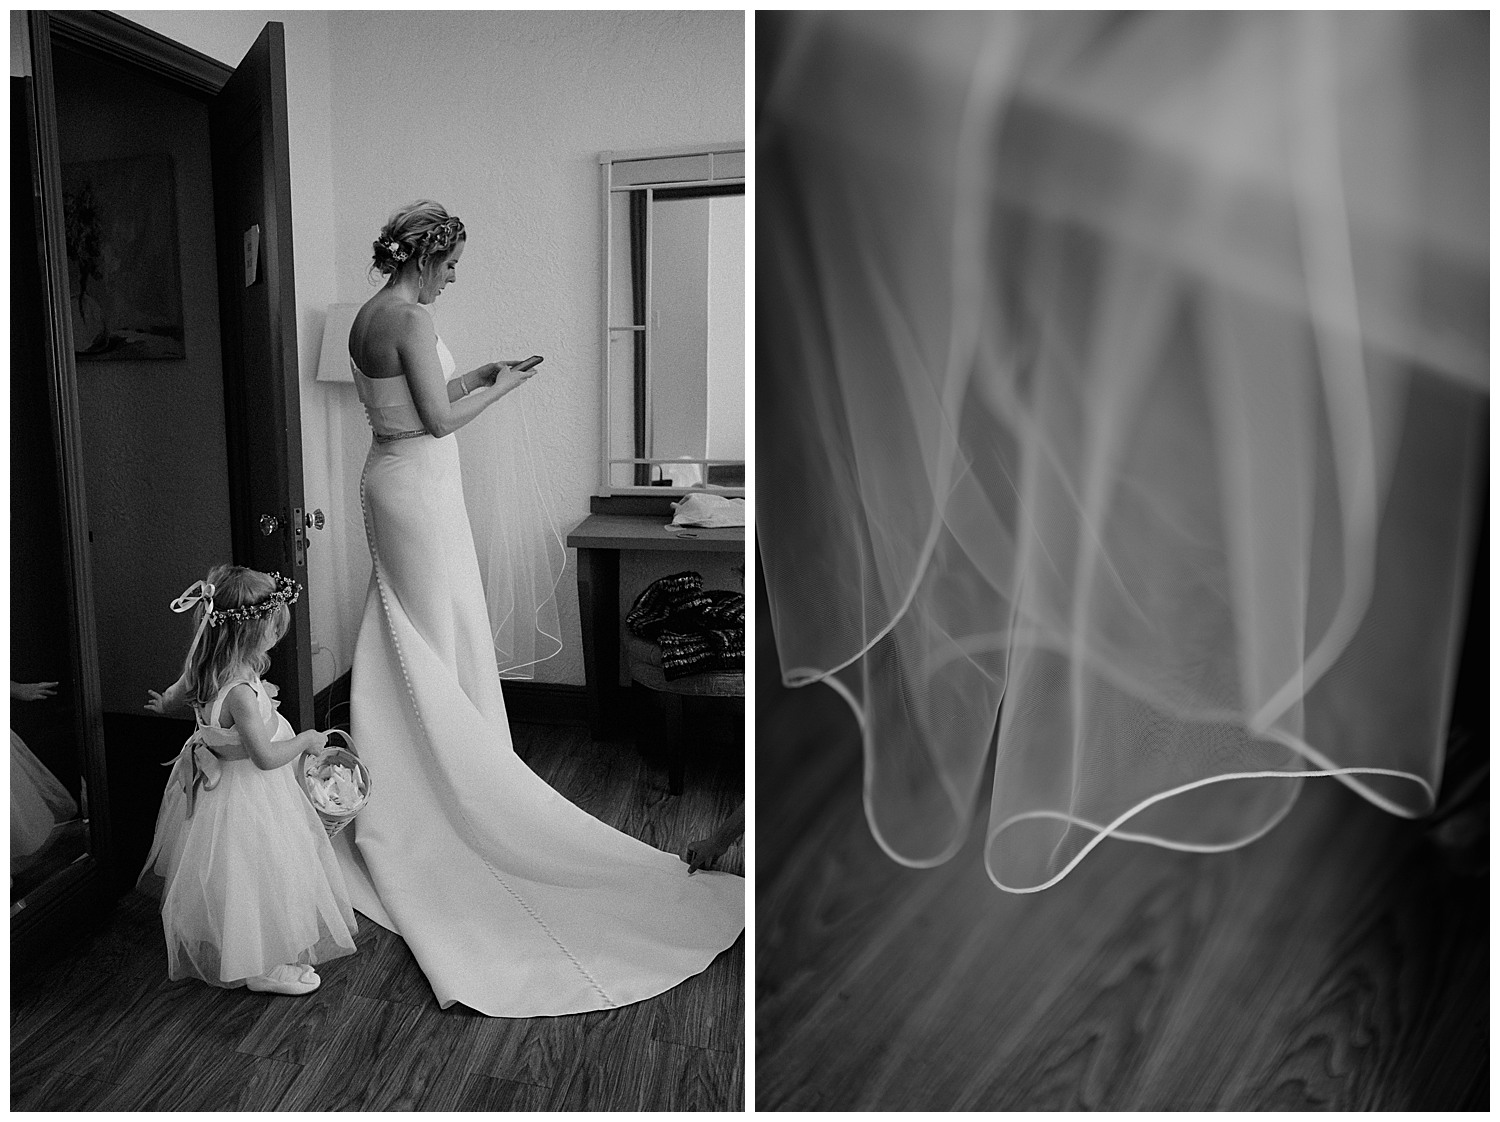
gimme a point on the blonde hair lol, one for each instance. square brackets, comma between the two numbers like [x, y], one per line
[228, 649]
[416, 233]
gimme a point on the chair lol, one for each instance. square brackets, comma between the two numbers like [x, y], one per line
[644, 660]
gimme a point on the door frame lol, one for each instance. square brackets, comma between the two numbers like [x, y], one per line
[115, 39]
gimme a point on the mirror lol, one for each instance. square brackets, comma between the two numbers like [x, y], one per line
[48, 801]
[48, 827]
[674, 333]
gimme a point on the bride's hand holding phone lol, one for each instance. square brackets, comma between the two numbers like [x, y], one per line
[512, 373]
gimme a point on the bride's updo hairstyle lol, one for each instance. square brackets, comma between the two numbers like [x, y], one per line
[421, 231]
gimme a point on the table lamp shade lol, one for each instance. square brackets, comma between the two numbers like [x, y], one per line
[333, 362]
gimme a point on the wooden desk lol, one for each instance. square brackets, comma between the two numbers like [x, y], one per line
[599, 539]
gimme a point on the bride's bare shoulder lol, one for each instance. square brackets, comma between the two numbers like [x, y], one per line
[390, 317]
[381, 330]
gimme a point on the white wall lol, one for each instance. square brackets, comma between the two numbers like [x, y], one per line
[20, 48]
[500, 116]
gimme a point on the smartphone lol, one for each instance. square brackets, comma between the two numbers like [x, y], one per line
[529, 363]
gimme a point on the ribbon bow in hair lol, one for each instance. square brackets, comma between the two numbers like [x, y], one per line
[199, 592]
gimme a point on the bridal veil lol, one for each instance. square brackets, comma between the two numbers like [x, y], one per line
[1124, 385]
[516, 535]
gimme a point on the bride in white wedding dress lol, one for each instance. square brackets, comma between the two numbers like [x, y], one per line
[514, 901]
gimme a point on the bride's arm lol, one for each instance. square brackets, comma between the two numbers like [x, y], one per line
[441, 412]
[477, 378]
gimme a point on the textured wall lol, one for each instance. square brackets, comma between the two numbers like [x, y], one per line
[20, 49]
[153, 431]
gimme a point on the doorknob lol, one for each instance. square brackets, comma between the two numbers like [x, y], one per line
[268, 524]
[314, 520]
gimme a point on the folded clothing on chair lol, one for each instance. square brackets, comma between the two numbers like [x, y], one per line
[698, 630]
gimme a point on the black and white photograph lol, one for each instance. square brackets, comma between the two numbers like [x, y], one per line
[1081, 418]
[1121, 487]
[378, 707]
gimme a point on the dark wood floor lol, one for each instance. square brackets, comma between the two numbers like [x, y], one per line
[1339, 963]
[101, 1029]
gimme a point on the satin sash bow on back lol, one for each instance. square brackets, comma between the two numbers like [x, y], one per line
[200, 764]
[196, 767]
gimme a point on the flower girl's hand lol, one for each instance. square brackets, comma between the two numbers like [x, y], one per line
[157, 704]
[32, 691]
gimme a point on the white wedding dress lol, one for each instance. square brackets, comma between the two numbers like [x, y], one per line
[514, 901]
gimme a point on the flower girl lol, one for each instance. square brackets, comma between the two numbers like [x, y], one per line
[251, 891]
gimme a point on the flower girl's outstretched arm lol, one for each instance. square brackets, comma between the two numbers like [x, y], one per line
[265, 753]
[170, 703]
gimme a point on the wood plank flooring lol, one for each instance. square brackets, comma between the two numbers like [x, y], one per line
[1340, 963]
[101, 1028]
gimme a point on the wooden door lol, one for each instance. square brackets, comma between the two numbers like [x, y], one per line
[257, 309]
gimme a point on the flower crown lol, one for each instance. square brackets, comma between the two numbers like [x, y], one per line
[285, 593]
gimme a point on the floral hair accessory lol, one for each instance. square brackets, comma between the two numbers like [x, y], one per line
[393, 247]
[285, 593]
[442, 237]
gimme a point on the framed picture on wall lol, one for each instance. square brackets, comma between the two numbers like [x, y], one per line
[123, 272]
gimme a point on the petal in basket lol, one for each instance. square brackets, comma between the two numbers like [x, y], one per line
[335, 788]
[336, 783]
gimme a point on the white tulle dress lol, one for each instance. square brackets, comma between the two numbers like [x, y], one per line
[514, 901]
[38, 801]
[244, 869]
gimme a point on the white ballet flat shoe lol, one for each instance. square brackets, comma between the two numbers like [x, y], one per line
[292, 980]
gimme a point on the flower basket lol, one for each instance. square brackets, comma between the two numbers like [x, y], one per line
[336, 782]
